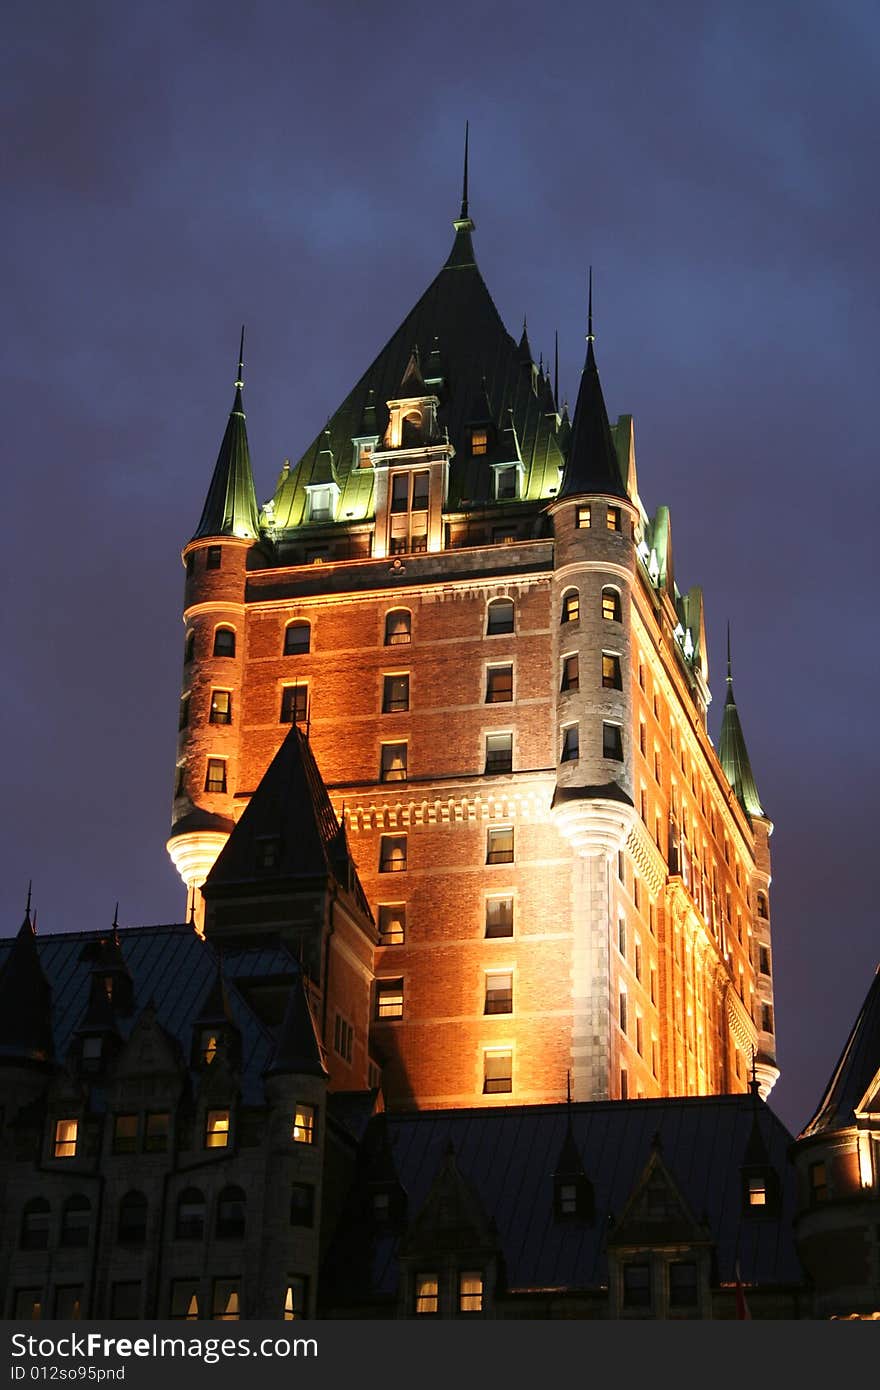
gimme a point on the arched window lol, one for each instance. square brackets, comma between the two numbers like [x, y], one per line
[762, 905]
[35, 1220]
[500, 617]
[76, 1218]
[297, 639]
[190, 1223]
[398, 626]
[230, 1213]
[132, 1225]
[224, 641]
[571, 606]
[611, 605]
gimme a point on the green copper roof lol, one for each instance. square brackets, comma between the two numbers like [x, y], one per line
[231, 505]
[734, 755]
[466, 354]
[593, 465]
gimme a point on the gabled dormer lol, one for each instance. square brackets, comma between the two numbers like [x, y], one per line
[322, 489]
[573, 1197]
[215, 1031]
[412, 470]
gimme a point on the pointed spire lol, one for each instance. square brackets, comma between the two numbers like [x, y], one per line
[556, 369]
[592, 464]
[297, 1049]
[462, 253]
[231, 504]
[733, 753]
[412, 382]
[27, 909]
[25, 1000]
[463, 215]
[854, 1079]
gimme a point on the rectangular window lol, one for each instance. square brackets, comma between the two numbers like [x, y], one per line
[470, 1292]
[395, 694]
[295, 1297]
[638, 959]
[683, 1284]
[393, 763]
[571, 607]
[655, 1057]
[499, 753]
[217, 1129]
[499, 846]
[570, 745]
[427, 1293]
[611, 605]
[65, 1138]
[125, 1133]
[656, 764]
[479, 441]
[766, 1015]
[343, 1038]
[636, 1285]
[624, 1084]
[499, 992]
[125, 1299]
[583, 518]
[621, 935]
[640, 1035]
[226, 1304]
[158, 1130]
[185, 1299]
[818, 1183]
[302, 1204]
[215, 778]
[294, 704]
[500, 617]
[499, 916]
[400, 492]
[392, 924]
[392, 854]
[621, 1010]
[612, 742]
[612, 519]
[420, 493]
[183, 712]
[497, 1073]
[764, 960]
[643, 804]
[68, 1301]
[221, 707]
[213, 557]
[303, 1128]
[757, 1190]
[570, 678]
[506, 480]
[389, 998]
[611, 679]
[499, 684]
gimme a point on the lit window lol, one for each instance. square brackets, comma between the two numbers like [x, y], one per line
[479, 441]
[499, 684]
[125, 1132]
[28, 1304]
[302, 1204]
[818, 1183]
[392, 924]
[65, 1138]
[215, 779]
[621, 935]
[427, 1293]
[189, 647]
[392, 767]
[392, 854]
[294, 704]
[398, 627]
[365, 455]
[303, 1131]
[757, 1191]
[499, 992]
[499, 753]
[611, 672]
[571, 606]
[226, 1305]
[612, 742]
[295, 1298]
[208, 1046]
[612, 519]
[185, 1299]
[611, 605]
[389, 998]
[224, 642]
[217, 1129]
[470, 1293]
[570, 676]
[297, 639]
[158, 1130]
[497, 1073]
[395, 694]
[500, 617]
[499, 916]
[499, 846]
[221, 707]
[583, 518]
[213, 557]
[683, 1284]
[569, 744]
[506, 483]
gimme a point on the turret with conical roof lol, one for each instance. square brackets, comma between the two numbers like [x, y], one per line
[592, 465]
[733, 752]
[231, 504]
[25, 1001]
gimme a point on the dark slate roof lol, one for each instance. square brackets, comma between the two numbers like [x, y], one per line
[508, 1156]
[297, 1050]
[459, 334]
[231, 504]
[593, 465]
[25, 1001]
[291, 804]
[858, 1066]
[734, 755]
[175, 970]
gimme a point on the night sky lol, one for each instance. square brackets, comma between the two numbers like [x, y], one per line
[174, 170]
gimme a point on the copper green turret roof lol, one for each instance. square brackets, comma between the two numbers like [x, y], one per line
[231, 505]
[734, 755]
[593, 465]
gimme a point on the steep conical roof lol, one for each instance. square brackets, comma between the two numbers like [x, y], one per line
[734, 755]
[856, 1071]
[592, 464]
[297, 1049]
[231, 505]
[25, 1001]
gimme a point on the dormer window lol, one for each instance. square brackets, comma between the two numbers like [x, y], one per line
[365, 449]
[479, 441]
[321, 503]
[217, 1129]
[208, 1046]
[507, 482]
[470, 1292]
[756, 1190]
[65, 1138]
[91, 1053]
[572, 1197]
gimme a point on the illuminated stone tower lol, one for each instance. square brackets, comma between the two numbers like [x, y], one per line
[461, 597]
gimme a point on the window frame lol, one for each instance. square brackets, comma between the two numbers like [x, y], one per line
[297, 625]
[500, 856]
[390, 997]
[501, 755]
[502, 1083]
[499, 680]
[507, 626]
[498, 997]
[211, 778]
[507, 923]
[218, 1130]
[391, 703]
[570, 611]
[395, 934]
[388, 844]
[221, 632]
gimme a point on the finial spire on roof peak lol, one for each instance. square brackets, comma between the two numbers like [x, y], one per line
[27, 909]
[464, 187]
[729, 667]
[590, 334]
[239, 380]
[556, 368]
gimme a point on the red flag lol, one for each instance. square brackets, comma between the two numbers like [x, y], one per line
[742, 1308]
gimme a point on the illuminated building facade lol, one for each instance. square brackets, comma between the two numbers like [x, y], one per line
[460, 595]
